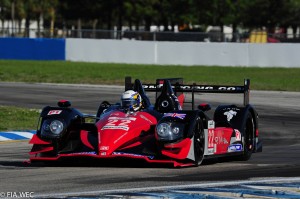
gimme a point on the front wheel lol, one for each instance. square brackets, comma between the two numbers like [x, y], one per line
[249, 138]
[199, 142]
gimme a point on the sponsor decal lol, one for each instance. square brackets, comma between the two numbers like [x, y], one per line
[238, 135]
[132, 154]
[177, 115]
[122, 118]
[225, 88]
[235, 148]
[104, 148]
[54, 112]
[118, 123]
[115, 127]
[119, 138]
[211, 124]
[145, 118]
[220, 140]
[198, 88]
[84, 153]
[230, 114]
[231, 108]
[211, 151]
[130, 113]
[149, 86]
[225, 141]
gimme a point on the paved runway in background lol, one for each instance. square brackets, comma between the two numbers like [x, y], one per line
[279, 114]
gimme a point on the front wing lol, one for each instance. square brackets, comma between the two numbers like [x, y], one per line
[174, 154]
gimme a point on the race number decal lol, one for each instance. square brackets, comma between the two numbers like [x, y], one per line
[118, 123]
[211, 135]
[210, 138]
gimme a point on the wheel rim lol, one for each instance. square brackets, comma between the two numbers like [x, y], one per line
[198, 143]
[249, 135]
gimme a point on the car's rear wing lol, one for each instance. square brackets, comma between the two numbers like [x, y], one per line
[179, 87]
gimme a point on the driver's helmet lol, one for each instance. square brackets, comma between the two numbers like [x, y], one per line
[131, 100]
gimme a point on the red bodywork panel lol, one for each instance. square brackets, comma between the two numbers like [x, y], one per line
[219, 140]
[84, 139]
[178, 150]
[222, 139]
[181, 99]
[118, 128]
[36, 140]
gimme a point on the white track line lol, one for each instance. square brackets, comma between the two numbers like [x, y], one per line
[202, 185]
[4, 138]
[23, 134]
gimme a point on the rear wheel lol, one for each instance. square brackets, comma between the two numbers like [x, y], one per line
[249, 137]
[199, 142]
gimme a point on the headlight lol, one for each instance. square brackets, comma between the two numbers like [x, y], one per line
[56, 127]
[169, 131]
[163, 130]
[52, 128]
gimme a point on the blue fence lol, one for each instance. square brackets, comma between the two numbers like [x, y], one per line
[32, 49]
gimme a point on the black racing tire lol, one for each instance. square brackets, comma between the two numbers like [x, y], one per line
[249, 138]
[199, 142]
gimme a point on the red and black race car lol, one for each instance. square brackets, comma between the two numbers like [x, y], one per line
[162, 132]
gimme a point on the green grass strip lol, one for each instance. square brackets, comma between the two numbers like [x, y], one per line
[280, 79]
[15, 118]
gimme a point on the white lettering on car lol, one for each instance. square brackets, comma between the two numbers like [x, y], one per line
[54, 112]
[230, 114]
[118, 123]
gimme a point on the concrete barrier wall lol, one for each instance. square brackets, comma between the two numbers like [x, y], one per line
[183, 53]
[116, 51]
[268, 55]
[192, 53]
[32, 49]
[149, 52]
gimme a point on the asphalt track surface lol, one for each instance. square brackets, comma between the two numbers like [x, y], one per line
[279, 114]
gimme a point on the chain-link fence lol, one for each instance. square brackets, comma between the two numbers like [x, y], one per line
[213, 36]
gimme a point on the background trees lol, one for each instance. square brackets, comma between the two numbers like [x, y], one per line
[142, 14]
